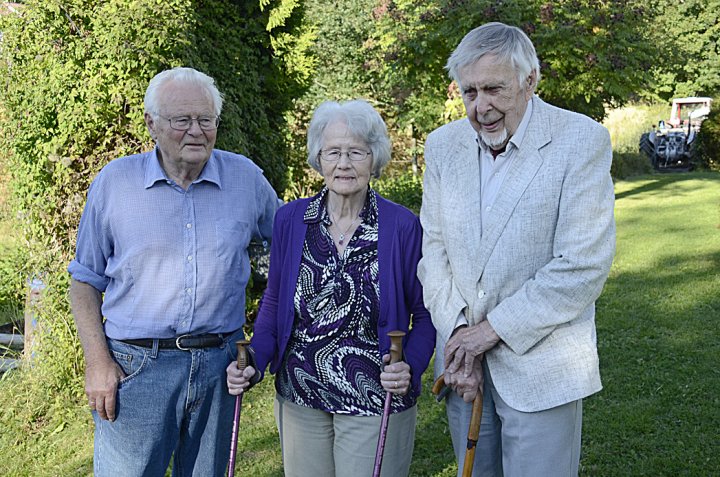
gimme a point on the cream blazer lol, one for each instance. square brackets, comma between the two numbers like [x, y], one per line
[536, 272]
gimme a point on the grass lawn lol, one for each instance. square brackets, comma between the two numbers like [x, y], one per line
[659, 344]
[658, 334]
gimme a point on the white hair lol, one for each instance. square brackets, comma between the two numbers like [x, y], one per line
[182, 75]
[508, 43]
[362, 121]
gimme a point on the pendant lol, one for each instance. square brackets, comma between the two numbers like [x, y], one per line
[341, 239]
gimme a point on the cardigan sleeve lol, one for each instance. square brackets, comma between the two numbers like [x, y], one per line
[265, 334]
[420, 342]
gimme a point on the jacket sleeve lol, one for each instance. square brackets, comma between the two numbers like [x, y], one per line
[441, 296]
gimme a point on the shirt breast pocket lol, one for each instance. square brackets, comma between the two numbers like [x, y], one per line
[232, 239]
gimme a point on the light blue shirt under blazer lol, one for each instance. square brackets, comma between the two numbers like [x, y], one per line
[172, 261]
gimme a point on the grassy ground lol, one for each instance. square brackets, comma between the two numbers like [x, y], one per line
[659, 344]
[658, 334]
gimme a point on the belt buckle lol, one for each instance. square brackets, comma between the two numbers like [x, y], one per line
[178, 345]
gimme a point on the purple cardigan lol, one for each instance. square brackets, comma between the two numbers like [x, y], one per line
[399, 249]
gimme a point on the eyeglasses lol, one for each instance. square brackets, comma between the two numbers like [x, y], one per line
[183, 123]
[334, 155]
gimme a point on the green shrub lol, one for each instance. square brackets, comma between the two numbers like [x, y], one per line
[14, 273]
[405, 189]
[626, 164]
[708, 141]
[12, 257]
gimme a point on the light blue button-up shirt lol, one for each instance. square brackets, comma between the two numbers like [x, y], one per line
[172, 261]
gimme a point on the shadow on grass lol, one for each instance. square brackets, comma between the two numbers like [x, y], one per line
[658, 181]
[659, 343]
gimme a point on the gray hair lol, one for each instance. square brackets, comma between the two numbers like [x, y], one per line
[183, 75]
[363, 122]
[510, 44]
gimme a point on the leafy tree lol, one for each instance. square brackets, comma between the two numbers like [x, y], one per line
[592, 53]
[686, 35]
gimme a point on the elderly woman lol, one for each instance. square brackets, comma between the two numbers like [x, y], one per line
[342, 275]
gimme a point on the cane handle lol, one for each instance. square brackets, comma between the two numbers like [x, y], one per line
[242, 360]
[438, 385]
[396, 338]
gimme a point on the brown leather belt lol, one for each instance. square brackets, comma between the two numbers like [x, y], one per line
[184, 342]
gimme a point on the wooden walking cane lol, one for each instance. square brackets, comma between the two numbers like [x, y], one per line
[395, 356]
[473, 430]
[241, 364]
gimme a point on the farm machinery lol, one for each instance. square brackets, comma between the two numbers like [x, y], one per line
[670, 146]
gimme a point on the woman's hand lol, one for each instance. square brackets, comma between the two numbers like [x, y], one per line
[395, 378]
[238, 381]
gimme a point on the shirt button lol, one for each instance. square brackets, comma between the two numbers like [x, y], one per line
[488, 208]
[188, 290]
[189, 258]
[481, 293]
[189, 226]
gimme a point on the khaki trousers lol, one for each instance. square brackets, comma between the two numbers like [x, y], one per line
[320, 444]
[514, 443]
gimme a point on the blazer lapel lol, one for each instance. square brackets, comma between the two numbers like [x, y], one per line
[465, 190]
[522, 171]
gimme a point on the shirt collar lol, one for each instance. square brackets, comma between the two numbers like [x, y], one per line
[154, 171]
[317, 212]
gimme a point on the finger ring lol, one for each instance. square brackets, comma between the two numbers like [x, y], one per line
[396, 384]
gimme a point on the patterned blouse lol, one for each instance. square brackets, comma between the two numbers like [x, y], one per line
[332, 362]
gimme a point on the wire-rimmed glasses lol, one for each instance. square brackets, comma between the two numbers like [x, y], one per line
[334, 155]
[183, 123]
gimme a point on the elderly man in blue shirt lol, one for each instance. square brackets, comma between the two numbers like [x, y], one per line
[164, 237]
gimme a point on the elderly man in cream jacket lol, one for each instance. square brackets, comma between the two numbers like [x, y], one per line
[519, 237]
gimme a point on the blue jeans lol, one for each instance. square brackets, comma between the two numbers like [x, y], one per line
[170, 402]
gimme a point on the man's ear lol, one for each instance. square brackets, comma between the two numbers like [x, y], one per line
[530, 84]
[150, 123]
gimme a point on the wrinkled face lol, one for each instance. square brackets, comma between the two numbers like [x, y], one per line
[345, 177]
[494, 101]
[189, 149]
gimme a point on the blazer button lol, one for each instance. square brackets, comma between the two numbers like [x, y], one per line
[481, 293]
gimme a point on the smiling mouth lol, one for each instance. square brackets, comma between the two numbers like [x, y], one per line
[491, 125]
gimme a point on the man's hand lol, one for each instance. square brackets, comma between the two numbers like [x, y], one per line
[101, 383]
[468, 386]
[466, 345]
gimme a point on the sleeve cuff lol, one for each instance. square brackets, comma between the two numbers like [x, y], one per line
[81, 273]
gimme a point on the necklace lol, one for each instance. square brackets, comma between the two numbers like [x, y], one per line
[341, 238]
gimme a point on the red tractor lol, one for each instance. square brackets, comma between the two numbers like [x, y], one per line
[670, 146]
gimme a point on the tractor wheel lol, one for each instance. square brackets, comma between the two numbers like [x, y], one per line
[646, 146]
